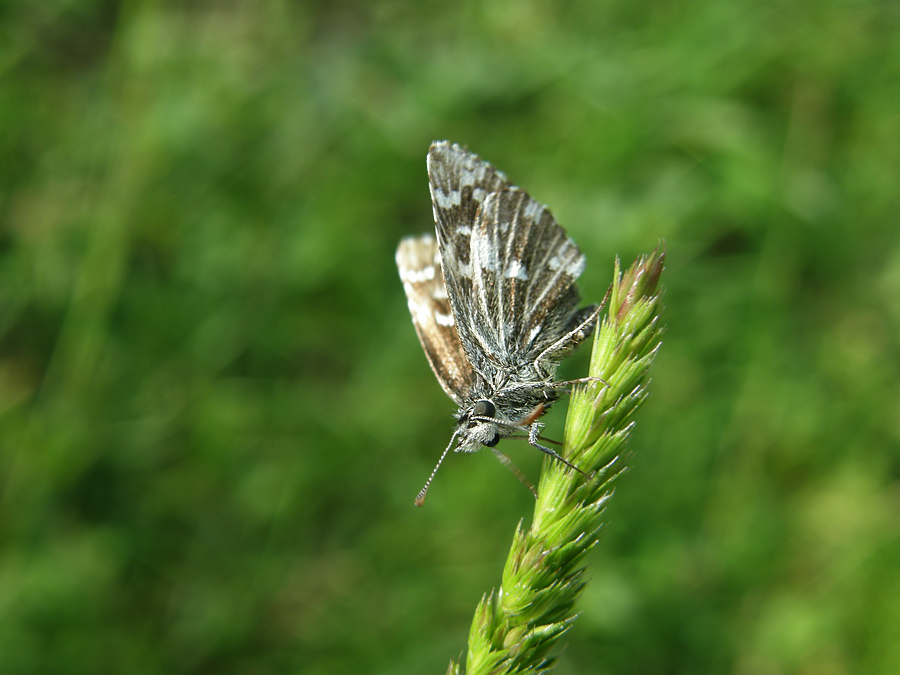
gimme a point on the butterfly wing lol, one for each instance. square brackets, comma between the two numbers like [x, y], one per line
[524, 269]
[509, 268]
[419, 263]
[460, 181]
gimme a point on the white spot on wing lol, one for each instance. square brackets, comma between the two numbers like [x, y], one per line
[444, 200]
[487, 255]
[421, 312]
[517, 270]
[418, 276]
[576, 267]
[533, 210]
[443, 319]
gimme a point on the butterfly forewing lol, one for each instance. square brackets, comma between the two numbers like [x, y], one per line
[524, 269]
[512, 272]
[459, 182]
[419, 263]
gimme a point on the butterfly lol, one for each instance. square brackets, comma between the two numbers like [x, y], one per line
[494, 302]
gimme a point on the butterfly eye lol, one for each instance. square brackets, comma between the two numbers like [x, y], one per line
[496, 439]
[484, 408]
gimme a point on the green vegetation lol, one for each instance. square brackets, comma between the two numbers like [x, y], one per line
[215, 415]
[516, 627]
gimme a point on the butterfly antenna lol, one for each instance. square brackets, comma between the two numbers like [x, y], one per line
[420, 498]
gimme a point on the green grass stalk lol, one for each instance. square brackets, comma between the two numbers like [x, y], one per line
[515, 628]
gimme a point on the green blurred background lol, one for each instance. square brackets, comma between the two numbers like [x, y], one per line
[214, 412]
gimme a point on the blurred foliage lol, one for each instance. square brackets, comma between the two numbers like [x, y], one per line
[215, 415]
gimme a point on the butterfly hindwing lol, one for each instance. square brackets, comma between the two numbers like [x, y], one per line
[419, 263]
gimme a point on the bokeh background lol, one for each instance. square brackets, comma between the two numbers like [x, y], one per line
[215, 415]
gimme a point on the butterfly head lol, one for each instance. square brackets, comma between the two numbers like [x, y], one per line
[478, 426]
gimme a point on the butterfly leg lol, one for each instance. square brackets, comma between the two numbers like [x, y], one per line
[565, 384]
[556, 385]
[517, 472]
[568, 341]
[533, 433]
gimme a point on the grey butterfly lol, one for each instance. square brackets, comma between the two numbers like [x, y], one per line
[494, 302]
